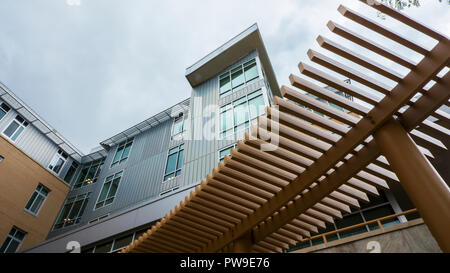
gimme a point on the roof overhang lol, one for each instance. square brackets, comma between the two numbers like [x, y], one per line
[227, 54]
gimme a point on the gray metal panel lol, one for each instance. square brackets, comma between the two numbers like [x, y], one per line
[134, 217]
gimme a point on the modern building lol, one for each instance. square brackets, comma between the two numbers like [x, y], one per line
[104, 200]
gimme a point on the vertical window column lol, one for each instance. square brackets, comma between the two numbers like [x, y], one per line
[174, 163]
[123, 150]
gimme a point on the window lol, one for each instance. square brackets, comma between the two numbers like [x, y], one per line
[122, 242]
[71, 172]
[225, 152]
[109, 190]
[241, 113]
[179, 126]
[104, 248]
[13, 241]
[58, 161]
[174, 163]
[237, 77]
[3, 109]
[15, 128]
[72, 211]
[123, 150]
[37, 199]
[89, 173]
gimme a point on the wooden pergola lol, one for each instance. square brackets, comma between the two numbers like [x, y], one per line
[298, 170]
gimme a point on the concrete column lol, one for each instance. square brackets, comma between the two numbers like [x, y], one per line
[243, 244]
[423, 184]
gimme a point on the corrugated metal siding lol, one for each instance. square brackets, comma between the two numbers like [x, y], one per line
[33, 143]
[201, 155]
[144, 169]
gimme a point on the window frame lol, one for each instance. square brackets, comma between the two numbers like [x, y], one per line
[76, 220]
[13, 238]
[24, 124]
[39, 193]
[109, 189]
[176, 167]
[228, 133]
[228, 74]
[99, 163]
[60, 154]
[122, 160]
[183, 118]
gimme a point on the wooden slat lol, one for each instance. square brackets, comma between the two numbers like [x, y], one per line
[327, 95]
[318, 106]
[359, 59]
[368, 23]
[348, 72]
[364, 42]
[338, 84]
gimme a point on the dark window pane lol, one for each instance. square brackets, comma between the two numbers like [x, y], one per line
[13, 246]
[123, 242]
[5, 244]
[37, 204]
[237, 77]
[225, 83]
[30, 202]
[180, 159]
[104, 192]
[11, 128]
[171, 163]
[350, 220]
[251, 71]
[118, 154]
[105, 248]
[126, 152]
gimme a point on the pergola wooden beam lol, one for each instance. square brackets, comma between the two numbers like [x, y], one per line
[316, 167]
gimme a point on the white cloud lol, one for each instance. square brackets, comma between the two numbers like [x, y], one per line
[95, 69]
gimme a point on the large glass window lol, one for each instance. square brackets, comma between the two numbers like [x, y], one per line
[71, 172]
[122, 153]
[72, 211]
[237, 77]
[13, 240]
[241, 113]
[109, 190]
[89, 173]
[15, 128]
[58, 161]
[3, 109]
[174, 162]
[37, 199]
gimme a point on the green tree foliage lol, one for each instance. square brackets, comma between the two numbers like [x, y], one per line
[401, 4]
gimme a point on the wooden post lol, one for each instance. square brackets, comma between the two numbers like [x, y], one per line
[423, 184]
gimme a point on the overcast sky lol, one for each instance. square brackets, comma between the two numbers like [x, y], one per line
[94, 69]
